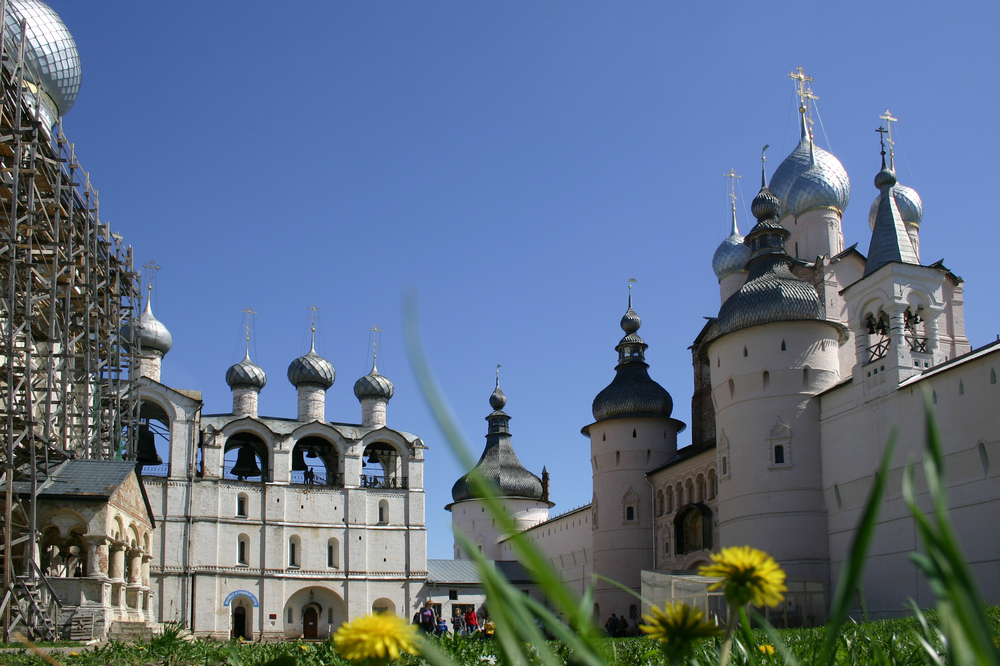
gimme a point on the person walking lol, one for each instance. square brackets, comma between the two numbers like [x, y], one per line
[427, 620]
[471, 623]
[442, 627]
[611, 626]
[622, 627]
[458, 623]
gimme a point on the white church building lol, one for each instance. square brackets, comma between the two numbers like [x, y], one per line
[817, 353]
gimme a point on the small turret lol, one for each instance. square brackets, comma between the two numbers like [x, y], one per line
[149, 340]
[312, 375]
[374, 392]
[246, 379]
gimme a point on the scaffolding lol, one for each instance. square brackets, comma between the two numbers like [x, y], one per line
[67, 292]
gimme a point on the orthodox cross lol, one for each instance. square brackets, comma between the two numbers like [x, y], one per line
[889, 120]
[732, 176]
[804, 93]
[151, 267]
[763, 172]
[312, 324]
[498, 375]
[881, 139]
[375, 331]
[248, 311]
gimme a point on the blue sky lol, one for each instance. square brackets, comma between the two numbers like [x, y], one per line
[512, 163]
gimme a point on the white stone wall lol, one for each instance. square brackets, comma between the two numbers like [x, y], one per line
[472, 518]
[245, 401]
[692, 480]
[312, 403]
[567, 541]
[855, 429]
[814, 233]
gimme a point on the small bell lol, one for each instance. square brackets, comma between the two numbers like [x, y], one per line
[298, 462]
[145, 453]
[246, 463]
[373, 458]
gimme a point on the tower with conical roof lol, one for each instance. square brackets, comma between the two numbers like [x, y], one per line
[775, 351]
[520, 492]
[632, 433]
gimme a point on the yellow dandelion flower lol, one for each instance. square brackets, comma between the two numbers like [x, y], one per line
[376, 637]
[74, 654]
[748, 576]
[677, 627]
[766, 649]
[303, 647]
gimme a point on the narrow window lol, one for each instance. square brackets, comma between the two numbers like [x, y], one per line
[381, 514]
[961, 387]
[767, 380]
[241, 555]
[779, 455]
[836, 494]
[452, 595]
[604, 437]
[329, 615]
[630, 513]
[984, 458]
[782, 345]
[796, 245]
[618, 457]
[649, 454]
[745, 351]
[633, 433]
[329, 555]
[291, 554]
[934, 397]
[290, 620]
[725, 470]
[241, 506]
[805, 377]
[732, 389]
[718, 361]
[993, 376]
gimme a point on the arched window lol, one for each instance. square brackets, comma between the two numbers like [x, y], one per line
[745, 352]
[383, 512]
[783, 345]
[245, 457]
[779, 454]
[294, 547]
[961, 387]
[333, 554]
[243, 550]
[241, 505]
[693, 529]
[725, 467]
[315, 461]
[984, 459]
[836, 496]
[767, 380]
[382, 467]
[993, 376]
[805, 377]
[630, 513]
[659, 502]
[732, 389]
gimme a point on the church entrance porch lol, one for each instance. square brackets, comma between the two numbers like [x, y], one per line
[310, 620]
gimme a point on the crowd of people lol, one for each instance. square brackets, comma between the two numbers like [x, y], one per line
[470, 624]
[617, 626]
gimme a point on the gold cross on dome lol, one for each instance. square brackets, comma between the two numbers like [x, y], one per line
[889, 120]
[732, 176]
[804, 93]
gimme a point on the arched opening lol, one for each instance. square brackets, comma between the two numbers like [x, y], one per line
[242, 626]
[659, 502]
[766, 380]
[294, 552]
[732, 389]
[242, 505]
[152, 440]
[383, 512]
[245, 458]
[313, 612]
[381, 467]
[693, 529]
[993, 376]
[310, 621]
[713, 484]
[805, 377]
[243, 550]
[383, 605]
[836, 496]
[315, 461]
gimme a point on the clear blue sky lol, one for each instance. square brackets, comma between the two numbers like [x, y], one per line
[515, 163]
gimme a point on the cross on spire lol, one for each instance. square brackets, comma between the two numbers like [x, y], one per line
[248, 311]
[732, 176]
[881, 139]
[498, 375]
[763, 172]
[804, 92]
[630, 281]
[889, 120]
[150, 269]
[313, 316]
[375, 331]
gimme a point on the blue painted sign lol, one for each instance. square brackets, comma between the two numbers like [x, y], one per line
[244, 593]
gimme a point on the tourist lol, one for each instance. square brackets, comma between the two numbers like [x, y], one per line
[458, 623]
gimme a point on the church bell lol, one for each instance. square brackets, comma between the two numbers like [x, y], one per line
[246, 463]
[298, 462]
[145, 453]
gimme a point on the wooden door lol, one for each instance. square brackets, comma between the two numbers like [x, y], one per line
[310, 620]
[240, 623]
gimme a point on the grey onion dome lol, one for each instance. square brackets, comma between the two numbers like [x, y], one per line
[50, 52]
[731, 256]
[632, 392]
[908, 203]
[150, 334]
[246, 374]
[809, 178]
[499, 465]
[312, 368]
[771, 292]
[373, 385]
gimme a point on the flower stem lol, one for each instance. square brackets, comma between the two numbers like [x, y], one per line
[727, 642]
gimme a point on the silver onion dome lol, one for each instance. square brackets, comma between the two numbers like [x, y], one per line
[312, 368]
[809, 178]
[246, 374]
[908, 203]
[499, 465]
[632, 392]
[374, 385]
[150, 334]
[731, 256]
[53, 62]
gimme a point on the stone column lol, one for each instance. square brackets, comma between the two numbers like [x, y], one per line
[135, 566]
[97, 555]
[150, 362]
[117, 568]
[312, 402]
[245, 400]
[146, 557]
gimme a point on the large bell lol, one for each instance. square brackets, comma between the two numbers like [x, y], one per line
[145, 453]
[298, 462]
[246, 463]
